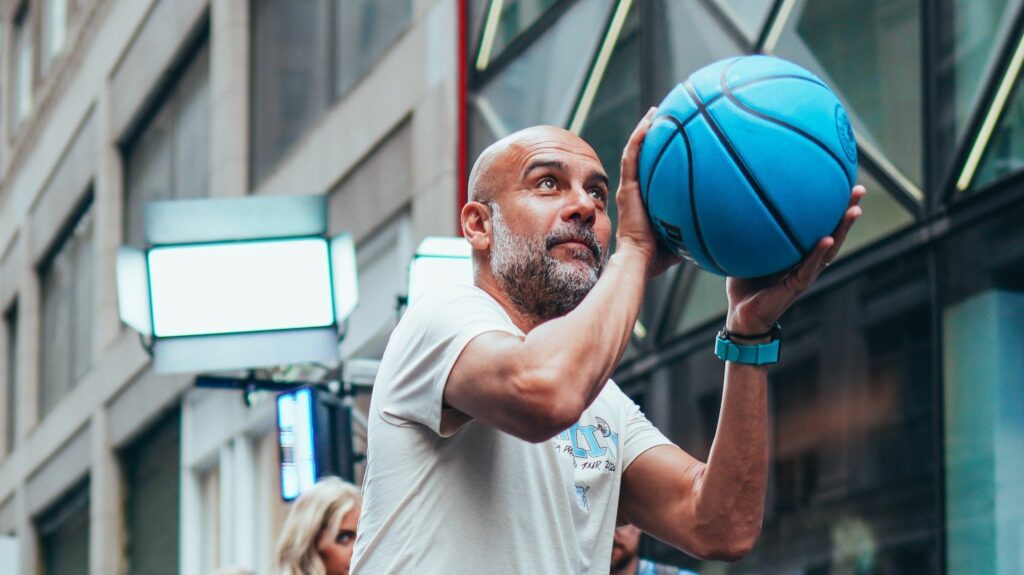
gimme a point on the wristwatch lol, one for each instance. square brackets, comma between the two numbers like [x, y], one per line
[727, 349]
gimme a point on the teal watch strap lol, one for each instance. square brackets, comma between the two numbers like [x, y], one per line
[755, 354]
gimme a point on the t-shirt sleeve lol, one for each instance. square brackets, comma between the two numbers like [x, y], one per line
[641, 434]
[423, 350]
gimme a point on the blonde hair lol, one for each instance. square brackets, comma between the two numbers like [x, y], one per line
[319, 510]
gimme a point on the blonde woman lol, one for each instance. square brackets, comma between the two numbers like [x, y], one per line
[320, 530]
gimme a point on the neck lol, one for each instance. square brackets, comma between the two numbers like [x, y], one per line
[628, 568]
[524, 320]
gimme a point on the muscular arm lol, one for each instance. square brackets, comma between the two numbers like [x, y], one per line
[535, 387]
[714, 510]
[711, 510]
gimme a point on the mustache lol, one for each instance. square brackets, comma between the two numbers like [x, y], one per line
[574, 232]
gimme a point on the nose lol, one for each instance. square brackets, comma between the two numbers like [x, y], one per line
[579, 206]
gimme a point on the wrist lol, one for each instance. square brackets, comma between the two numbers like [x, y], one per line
[633, 255]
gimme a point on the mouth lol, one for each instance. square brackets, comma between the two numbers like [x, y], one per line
[578, 247]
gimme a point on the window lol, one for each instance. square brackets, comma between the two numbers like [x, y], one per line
[541, 85]
[64, 534]
[66, 304]
[55, 29]
[169, 156]
[363, 30]
[1005, 152]
[11, 373]
[152, 478]
[306, 53]
[981, 290]
[870, 53]
[290, 77]
[22, 75]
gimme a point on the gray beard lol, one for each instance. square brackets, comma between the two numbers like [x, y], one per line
[539, 285]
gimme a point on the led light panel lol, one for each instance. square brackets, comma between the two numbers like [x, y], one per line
[240, 287]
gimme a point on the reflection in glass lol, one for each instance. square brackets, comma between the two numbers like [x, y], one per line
[541, 84]
[870, 53]
[364, 30]
[1005, 152]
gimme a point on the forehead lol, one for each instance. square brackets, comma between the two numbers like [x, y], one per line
[553, 148]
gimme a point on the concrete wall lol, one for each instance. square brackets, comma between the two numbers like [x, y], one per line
[386, 153]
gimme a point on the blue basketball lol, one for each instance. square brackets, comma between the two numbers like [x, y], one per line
[748, 164]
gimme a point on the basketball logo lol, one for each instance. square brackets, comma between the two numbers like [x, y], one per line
[845, 132]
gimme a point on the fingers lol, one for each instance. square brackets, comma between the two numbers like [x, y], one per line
[853, 212]
[631, 153]
[815, 262]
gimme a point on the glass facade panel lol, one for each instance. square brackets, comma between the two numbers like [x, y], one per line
[543, 83]
[978, 28]
[152, 477]
[290, 79]
[749, 15]
[870, 53]
[66, 308]
[364, 29]
[64, 534]
[686, 38]
[516, 16]
[169, 157]
[1005, 152]
[882, 216]
[704, 299]
[11, 376]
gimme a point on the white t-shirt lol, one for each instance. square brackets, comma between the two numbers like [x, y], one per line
[477, 500]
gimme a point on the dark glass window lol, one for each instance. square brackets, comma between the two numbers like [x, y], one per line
[981, 290]
[169, 156]
[23, 73]
[64, 534]
[749, 15]
[854, 436]
[364, 29]
[305, 53]
[290, 76]
[66, 309]
[513, 17]
[11, 373]
[152, 478]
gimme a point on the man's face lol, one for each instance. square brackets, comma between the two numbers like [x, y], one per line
[550, 223]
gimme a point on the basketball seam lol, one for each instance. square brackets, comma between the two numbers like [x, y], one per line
[756, 113]
[745, 170]
[752, 82]
[680, 131]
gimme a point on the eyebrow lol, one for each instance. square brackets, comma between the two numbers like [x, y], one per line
[543, 164]
[560, 166]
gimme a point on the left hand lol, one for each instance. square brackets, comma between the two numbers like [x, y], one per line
[757, 303]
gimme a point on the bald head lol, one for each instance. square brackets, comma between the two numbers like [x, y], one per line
[491, 172]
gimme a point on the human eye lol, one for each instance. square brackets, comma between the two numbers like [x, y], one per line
[548, 183]
[598, 194]
[345, 538]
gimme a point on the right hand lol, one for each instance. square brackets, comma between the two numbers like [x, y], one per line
[634, 228]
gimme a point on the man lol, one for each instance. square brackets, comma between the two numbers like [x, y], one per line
[497, 443]
[626, 559]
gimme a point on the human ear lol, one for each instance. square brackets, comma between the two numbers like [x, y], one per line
[476, 225]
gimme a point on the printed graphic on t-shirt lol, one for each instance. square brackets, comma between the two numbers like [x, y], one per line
[592, 446]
